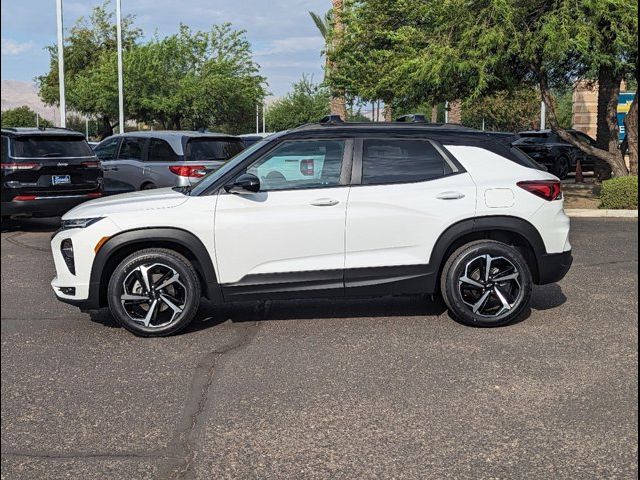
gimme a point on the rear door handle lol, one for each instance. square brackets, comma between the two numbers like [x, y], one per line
[325, 202]
[450, 196]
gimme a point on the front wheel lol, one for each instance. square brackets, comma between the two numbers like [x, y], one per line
[154, 292]
[486, 284]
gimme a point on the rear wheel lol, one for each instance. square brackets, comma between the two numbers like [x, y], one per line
[154, 292]
[486, 284]
[148, 186]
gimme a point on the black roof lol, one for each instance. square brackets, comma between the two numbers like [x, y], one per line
[442, 132]
[31, 131]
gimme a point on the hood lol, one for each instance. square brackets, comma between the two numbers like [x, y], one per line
[127, 203]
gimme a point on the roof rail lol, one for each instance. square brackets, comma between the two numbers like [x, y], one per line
[331, 120]
[412, 118]
[12, 129]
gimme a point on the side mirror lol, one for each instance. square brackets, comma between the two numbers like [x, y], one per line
[245, 184]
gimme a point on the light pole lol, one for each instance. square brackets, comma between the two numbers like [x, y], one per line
[63, 103]
[120, 81]
[543, 116]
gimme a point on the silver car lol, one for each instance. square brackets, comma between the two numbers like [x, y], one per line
[146, 160]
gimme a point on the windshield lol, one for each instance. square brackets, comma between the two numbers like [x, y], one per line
[40, 146]
[212, 177]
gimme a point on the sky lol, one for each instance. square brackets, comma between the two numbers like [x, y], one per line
[284, 39]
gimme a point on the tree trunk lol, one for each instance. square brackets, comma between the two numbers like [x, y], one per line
[614, 160]
[338, 104]
[388, 112]
[631, 129]
[434, 114]
[608, 93]
[106, 130]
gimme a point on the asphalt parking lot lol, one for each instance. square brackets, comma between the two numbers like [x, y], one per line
[381, 388]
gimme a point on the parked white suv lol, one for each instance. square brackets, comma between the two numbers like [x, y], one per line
[326, 210]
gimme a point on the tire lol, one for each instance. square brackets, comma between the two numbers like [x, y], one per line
[467, 266]
[561, 167]
[175, 304]
[148, 186]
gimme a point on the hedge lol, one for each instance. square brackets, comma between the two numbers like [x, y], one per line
[620, 193]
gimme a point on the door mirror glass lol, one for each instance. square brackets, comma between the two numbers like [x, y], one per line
[246, 183]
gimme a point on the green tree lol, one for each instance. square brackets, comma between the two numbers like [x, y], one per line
[90, 68]
[22, 117]
[307, 102]
[430, 51]
[195, 80]
[508, 111]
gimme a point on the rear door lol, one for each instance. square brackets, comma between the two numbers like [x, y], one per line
[409, 192]
[52, 164]
[160, 160]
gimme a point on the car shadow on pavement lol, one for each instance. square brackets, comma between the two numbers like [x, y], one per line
[50, 224]
[211, 315]
[543, 298]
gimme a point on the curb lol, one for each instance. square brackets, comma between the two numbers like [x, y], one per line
[596, 213]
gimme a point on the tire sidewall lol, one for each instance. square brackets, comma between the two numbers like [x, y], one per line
[459, 309]
[188, 277]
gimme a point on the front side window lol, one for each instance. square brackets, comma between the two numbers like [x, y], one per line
[132, 148]
[161, 151]
[107, 149]
[300, 164]
[400, 161]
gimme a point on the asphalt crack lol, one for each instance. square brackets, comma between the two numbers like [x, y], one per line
[12, 239]
[182, 449]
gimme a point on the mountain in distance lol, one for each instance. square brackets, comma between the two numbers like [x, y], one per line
[16, 93]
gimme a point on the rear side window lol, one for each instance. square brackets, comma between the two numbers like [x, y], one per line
[202, 149]
[161, 151]
[107, 149]
[400, 161]
[40, 146]
[132, 148]
[5, 149]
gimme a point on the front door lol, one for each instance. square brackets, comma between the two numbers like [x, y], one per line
[288, 237]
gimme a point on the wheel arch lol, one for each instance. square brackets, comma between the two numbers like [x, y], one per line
[510, 230]
[123, 244]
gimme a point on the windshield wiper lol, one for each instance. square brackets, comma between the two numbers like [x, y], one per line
[52, 154]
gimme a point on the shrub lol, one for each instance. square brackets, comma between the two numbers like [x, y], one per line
[620, 193]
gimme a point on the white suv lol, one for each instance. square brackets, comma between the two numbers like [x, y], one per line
[326, 210]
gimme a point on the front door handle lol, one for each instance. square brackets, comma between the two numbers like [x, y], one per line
[450, 196]
[325, 202]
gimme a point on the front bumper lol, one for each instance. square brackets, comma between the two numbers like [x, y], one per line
[552, 267]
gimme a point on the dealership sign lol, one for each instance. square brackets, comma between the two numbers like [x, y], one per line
[624, 104]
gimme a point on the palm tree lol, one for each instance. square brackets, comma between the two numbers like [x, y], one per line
[327, 24]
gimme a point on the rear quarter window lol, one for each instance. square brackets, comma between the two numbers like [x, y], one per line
[5, 149]
[41, 146]
[203, 149]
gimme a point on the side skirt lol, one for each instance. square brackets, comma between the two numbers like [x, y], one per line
[359, 282]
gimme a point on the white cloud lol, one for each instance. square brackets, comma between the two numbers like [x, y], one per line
[11, 47]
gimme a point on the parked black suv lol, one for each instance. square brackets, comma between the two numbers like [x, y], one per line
[45, 172]
[560, 157]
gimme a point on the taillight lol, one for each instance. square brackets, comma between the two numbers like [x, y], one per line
[548, 189]
[196, 171]
[91, 164]
[20, 166]
[306, 167]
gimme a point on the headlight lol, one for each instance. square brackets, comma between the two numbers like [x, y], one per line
[79, 223]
